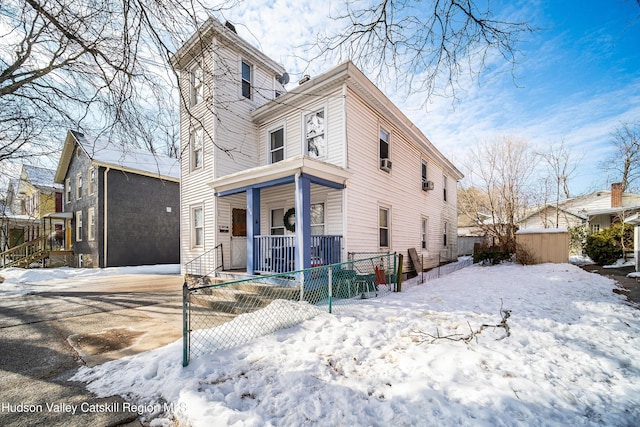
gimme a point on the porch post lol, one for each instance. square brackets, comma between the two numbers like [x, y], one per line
[253, 224]
[303, 222]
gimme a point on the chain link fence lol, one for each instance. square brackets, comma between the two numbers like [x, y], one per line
[436, 272]
[224, 315]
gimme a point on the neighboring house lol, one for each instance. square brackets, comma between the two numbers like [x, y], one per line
[30, 199]
[123, 203]
[281, 181]
[596, 211]
[469, 233]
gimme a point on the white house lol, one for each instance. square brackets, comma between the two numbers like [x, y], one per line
[280, 180]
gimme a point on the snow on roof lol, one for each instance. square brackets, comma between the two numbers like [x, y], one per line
[120, 156]
[542, 230]
[41, 177]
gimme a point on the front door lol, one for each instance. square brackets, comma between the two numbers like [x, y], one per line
[238, 238]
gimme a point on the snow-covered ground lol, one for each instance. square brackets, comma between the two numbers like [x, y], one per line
[20, 281]
[572, 358]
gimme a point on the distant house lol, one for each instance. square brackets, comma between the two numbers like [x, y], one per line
[123, 203]
[29, 199]
[329, 168]
[596, 211]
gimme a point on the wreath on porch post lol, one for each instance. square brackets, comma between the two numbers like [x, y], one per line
[289, 220]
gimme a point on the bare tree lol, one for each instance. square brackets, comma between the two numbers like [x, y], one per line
[430, 45]
[93, 65]
[561, 165]
[500, 171]
[625, 159]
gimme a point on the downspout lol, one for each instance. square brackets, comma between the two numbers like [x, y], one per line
[104, 218]
[346, 163]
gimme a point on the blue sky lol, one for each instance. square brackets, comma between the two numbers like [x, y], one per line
[577, 77]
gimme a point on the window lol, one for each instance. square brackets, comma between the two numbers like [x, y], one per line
[277, 224]
[384, 151]
[425, 233]
[444, 237]
[197, 140]
[79, 226]
[444, 188]
[92, 180]
[197, 84]
[424, 171]
[595, 228]
[317, 219]
[91, 219]
[276, 145]
[67, 185]
[315, 145]
[383, 218]
[79, 186]
[197, 227]
[246, 80]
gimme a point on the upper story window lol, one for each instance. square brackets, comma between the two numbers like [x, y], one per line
[196, 143]
[92, 180]
[444, 188]
[385, 161]
[315, 141]
[246, 80]
[67, 187]
[276, 145]
[197, 84]
[79, 186]
[424, 171]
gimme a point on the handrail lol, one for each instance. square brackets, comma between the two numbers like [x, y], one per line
[201, 265]
[22, 252]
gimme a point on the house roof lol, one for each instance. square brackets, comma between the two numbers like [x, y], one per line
[41, 178]
[109, 154]
[357, 81]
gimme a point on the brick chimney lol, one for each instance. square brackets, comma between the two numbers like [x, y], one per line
[616, 195]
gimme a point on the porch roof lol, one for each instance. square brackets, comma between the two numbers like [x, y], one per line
[279, 173]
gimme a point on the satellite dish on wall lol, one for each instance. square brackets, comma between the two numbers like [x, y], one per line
[284, 79]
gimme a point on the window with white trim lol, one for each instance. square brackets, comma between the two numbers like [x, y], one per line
[595, 228]
[197, 143]
[91, 220]
[67, 185]
[383, 227]
[383, 149]
[246, 79]
[79, 186]
[317, 219]
[197, 84]
[276, 145]
[277, 222]
[444, 188]
[197, 227]
[444, 236]
[314, 131]
[79, 226]
[424, 171]
[92, 180]
[425, 233]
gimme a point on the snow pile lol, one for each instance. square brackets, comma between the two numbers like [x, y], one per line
[572, 357]
[21, 281]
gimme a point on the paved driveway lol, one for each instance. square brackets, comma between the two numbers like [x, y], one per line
[45, 337]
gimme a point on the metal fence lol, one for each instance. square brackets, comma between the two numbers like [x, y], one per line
[224, 315]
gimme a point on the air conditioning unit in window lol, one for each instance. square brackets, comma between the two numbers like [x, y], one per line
[385, 165]
[427, 185]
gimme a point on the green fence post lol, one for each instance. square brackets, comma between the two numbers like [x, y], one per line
[330, 287]
[185, 324]
[399, 273]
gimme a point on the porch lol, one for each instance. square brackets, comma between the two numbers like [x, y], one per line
[299, 244]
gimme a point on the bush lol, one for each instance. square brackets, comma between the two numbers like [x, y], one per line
[490, 254]
[605, 247]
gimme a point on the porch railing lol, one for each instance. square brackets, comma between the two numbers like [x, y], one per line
[276, 254]
[25, 254]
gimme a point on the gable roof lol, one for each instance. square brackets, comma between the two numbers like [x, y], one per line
[109, 154]
[41, 178]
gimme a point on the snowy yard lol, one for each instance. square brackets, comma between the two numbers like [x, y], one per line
[572, 357]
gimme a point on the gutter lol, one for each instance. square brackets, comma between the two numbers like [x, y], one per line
[104, 217]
